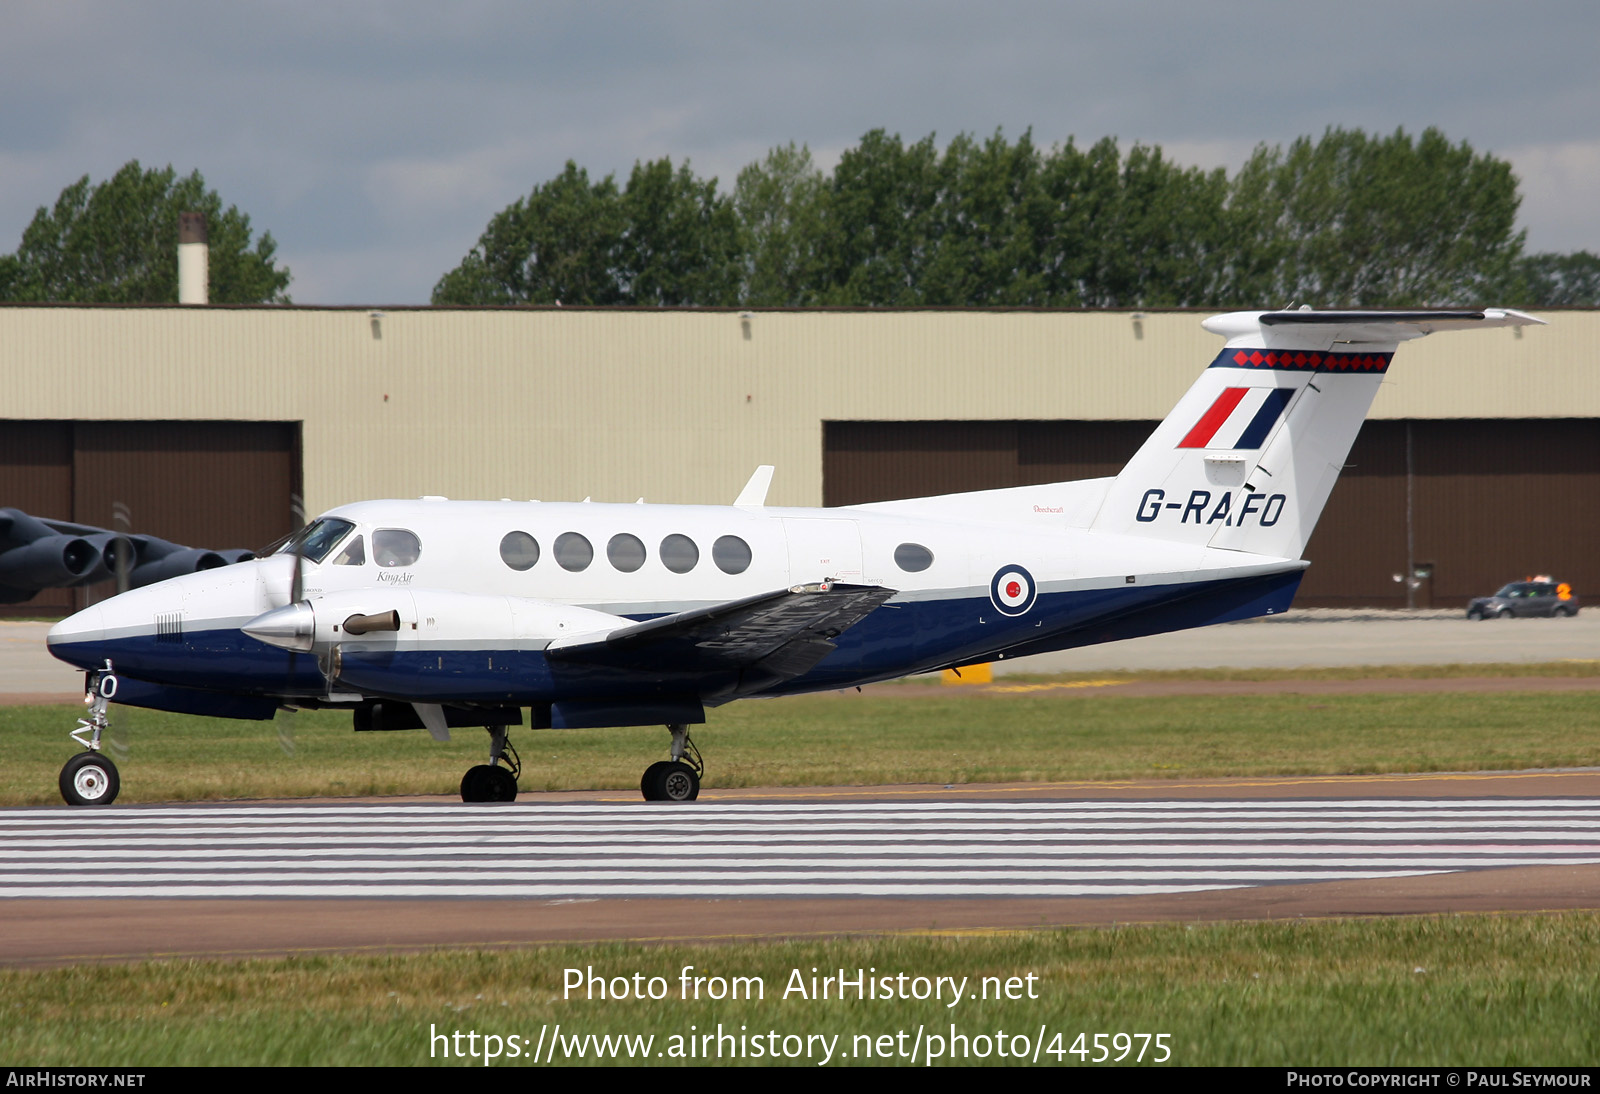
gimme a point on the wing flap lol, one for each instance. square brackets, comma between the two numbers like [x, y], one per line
[784, 632]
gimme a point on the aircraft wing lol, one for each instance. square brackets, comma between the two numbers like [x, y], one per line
[67, 528]
[778, 635]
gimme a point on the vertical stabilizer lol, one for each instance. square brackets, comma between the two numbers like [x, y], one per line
[1247, 459]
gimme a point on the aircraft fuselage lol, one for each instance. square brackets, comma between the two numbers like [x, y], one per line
[479, 606]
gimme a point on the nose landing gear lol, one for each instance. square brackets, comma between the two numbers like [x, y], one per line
[90, 778]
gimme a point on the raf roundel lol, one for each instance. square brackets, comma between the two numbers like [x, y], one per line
[1012, 590]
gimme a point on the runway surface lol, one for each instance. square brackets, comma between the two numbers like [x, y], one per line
[948, 850]
[284, 878]
[274, 878]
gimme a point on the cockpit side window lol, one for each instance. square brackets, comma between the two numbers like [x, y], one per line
[395, 547]
[354, 554]
[315, 540]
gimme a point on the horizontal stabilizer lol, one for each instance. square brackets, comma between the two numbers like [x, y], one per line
[1325, 329]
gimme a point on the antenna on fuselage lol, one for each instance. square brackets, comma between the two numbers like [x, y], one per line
[754, 493]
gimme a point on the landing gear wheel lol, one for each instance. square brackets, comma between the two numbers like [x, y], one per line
[670, 781]
[502, 785]
[90, 778]
[680, 783]
[650, 782]
[486, 783]
[490, 782]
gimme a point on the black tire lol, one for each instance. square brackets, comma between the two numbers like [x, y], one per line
[650, 783]
[1505, 613]
[1475, 614]
[90, 778]
[476, 784]
[1564, 612]
[502, 785]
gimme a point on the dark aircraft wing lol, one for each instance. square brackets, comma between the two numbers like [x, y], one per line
[769, 637]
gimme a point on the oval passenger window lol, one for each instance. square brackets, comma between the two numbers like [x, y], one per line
[731, 554]
[913, 557]
[573, 552]
[679, 554]
[395, 547]
[519, 550]
[625, 552]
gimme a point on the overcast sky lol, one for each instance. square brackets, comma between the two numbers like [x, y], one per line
[375, 140]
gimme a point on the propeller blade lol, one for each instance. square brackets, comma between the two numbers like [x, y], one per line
[297, 516]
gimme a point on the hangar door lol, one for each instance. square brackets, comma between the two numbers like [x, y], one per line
[202, 484]
[1478, 502]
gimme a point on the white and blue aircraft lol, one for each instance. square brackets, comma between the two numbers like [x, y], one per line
[440, 614]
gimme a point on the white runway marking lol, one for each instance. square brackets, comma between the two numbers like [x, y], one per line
[966, 849]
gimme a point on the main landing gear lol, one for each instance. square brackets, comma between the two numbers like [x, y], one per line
[90, 778]
[674, 780]
[490, 782]
[677, 779]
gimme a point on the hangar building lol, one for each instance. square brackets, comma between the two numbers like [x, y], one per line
[207, 425]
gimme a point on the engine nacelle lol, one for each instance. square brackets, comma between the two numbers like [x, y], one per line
[49, 561]
[360, 620]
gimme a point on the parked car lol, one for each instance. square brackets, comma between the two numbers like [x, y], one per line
[1539, 596]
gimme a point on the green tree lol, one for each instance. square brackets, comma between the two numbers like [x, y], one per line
[1133, 231]
[997, 223]
[984, 242]
[1344, 220]
[560, 244]
[116, 242]
[780, 203]
[1560, 280]
[681, 242]
[668, 238]
[881, 223]
[1384, 221]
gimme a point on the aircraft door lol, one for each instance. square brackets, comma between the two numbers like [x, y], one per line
[823, 547]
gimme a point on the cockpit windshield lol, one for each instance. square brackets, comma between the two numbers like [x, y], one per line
[316, 539]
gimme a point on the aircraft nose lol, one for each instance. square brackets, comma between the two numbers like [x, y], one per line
[72, 640]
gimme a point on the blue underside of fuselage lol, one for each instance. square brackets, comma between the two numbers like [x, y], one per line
[223, 671]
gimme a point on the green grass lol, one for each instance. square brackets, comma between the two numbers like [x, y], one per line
[1413, 991]
[1575, 668]
[1416, 991]
[890, 736]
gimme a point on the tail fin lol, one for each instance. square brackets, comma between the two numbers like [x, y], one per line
[1249, 455]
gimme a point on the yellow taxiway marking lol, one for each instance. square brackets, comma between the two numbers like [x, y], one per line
[1220, 784]
[1052, 687]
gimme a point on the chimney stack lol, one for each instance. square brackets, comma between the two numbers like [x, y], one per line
[193, 259]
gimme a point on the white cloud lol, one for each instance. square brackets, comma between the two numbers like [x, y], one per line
[1560, 194]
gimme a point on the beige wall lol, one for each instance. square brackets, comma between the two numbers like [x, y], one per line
[675, 406]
